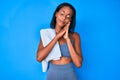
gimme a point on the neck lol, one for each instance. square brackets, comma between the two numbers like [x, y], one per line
[57, 29]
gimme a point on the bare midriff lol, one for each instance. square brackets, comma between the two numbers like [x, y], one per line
[62, 61]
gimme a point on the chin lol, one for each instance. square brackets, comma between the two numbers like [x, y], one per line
[61, 25]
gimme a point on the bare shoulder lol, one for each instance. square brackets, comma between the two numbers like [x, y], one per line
[75, 36]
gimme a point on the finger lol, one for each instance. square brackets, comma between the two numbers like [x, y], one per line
[68, 24]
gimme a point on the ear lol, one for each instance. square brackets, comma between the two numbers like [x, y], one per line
[56, 14]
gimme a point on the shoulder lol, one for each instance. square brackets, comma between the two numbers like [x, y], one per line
[75, 36]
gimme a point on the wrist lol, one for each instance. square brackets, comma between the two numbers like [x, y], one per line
[67, 39]
[56, 37]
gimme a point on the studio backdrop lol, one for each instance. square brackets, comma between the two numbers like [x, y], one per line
[98, 23]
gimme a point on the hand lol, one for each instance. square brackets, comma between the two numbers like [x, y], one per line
[61, 33]
[66, 30]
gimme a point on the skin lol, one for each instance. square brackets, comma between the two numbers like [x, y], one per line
[63, 18]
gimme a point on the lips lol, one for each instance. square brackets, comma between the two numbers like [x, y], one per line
[62, 22]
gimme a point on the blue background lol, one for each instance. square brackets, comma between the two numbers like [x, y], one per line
[98, 23]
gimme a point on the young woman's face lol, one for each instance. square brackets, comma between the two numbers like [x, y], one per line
[63, 16]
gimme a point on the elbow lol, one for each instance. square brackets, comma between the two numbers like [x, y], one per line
[78, 65]
[38, 59]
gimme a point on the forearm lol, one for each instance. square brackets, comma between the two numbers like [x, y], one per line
[76, 58]
[43, 53]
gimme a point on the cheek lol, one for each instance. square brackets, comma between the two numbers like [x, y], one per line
[58, 16]
[68, 20]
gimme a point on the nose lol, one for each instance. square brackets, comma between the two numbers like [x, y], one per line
[63, 17]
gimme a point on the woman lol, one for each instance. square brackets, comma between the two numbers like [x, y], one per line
[63, 21]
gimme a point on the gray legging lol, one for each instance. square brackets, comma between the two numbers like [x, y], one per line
[61, 72]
